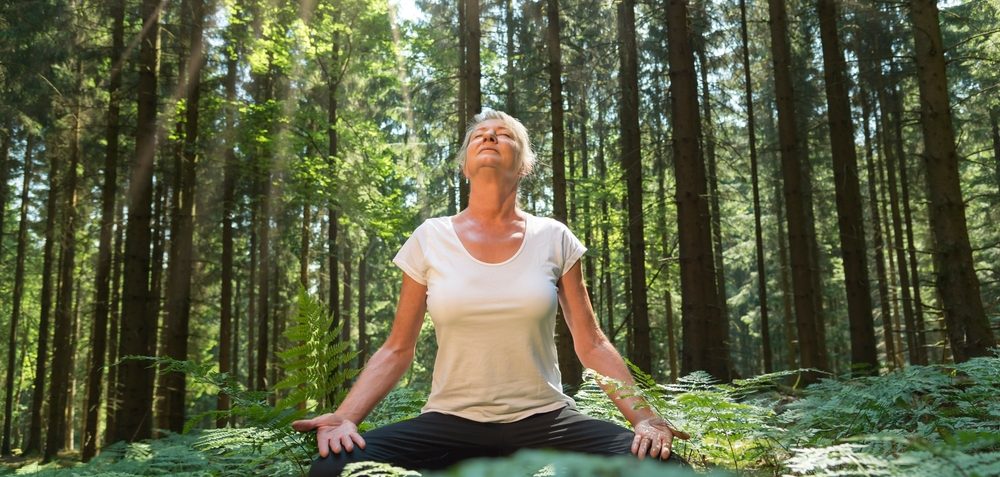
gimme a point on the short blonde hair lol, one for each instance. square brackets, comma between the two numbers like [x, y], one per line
[525, 155]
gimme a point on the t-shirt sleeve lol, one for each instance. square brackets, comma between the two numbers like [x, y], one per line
[410, 258]
[571, 247]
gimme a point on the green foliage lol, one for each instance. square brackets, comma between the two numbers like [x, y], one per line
[924, 420]
[731, 425]
[316, 365]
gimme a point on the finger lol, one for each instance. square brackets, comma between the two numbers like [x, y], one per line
[346, 441]
[635, 444]
[324, 449]
[334, 445]
[655, 446]
[303, 425]
[360, 441]
[666, 448]
[644, 447]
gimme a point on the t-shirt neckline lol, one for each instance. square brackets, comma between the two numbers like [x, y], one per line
[524, 240]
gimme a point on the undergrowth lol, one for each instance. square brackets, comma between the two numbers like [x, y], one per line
[921, 421]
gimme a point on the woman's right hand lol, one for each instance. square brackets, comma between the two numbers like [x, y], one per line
[333, 433]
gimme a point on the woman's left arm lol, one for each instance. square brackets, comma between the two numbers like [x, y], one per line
[653, 434]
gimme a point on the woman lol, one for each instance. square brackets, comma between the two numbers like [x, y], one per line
[491, 278]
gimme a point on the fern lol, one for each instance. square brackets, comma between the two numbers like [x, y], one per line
[316, 365]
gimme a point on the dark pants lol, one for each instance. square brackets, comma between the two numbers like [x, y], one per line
[435, 441]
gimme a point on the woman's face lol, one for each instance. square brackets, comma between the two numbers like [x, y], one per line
[492, 147]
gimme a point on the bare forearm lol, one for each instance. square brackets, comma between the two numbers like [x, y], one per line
[381, 373]
[605, 360]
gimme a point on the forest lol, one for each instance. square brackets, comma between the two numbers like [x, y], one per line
[789, 206]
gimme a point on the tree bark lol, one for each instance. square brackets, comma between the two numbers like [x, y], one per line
[864, 356]
[363, 351]
[904, 188]
[808, 326]
[510, 75]
[15, 314]
[34, 443]
[705, 333]
[631, 146]
[227, 350]
[569, 365]
[55, 438]
[109, 191]
[182, 235]
[968, 328]
[306, 231]
[707, 136]
[133, 421]
[995, 124]
[765, 331]
[114, 392]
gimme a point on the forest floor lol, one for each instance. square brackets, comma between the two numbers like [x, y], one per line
[920, 421]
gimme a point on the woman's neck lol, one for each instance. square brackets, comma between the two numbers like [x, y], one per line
[492, 202]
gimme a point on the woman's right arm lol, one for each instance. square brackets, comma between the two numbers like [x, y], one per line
[338, 430]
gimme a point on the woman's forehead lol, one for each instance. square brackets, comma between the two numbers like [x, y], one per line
[494, 123]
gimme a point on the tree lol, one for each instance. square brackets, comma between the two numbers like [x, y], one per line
[864, 359]
[18, 292]
[181, 244]
[109, 190]
[811, 345]
[765, 332]
[705, 334]
[631, 147]
[34, 443]
[569, 365]
[133, 420]
[969, 330]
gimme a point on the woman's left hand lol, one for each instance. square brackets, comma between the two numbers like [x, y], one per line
[654, 436]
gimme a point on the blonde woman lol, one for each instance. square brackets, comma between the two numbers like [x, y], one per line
[491, 278]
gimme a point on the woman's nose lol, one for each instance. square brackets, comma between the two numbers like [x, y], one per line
[491, 136]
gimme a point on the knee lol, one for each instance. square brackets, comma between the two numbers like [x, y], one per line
[333, 464]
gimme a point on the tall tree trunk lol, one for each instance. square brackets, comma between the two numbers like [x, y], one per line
[252, 302]
[109, 191]
[227, 351]
[114, 392]
[608, 294]
[707, 136]
[808, 325]
[765, 332]
[864, 355]
[995, 124]
[661, 224]
[71, 389]
[890, 117]
[569, 365]
[904, 188]
[345, 331]
[5, 143]
[363, 306]
[34, 443]
[704, 330]
[133, 421]
[263, 280]
[968, 328]
[62, 348]
[463, 118]
[631, 146]
[877, 241]
[15, 314]
[182, 235]
[306, 231]
[333, 210]
[155, 285]
[510, 96]
[893, 280]
[470, 70]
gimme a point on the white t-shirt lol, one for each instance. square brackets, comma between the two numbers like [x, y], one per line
[494, 323]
